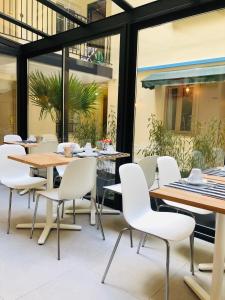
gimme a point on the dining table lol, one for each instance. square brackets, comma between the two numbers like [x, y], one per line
[216, 204]
[49, 161]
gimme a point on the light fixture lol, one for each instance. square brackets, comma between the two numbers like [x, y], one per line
[187, 90]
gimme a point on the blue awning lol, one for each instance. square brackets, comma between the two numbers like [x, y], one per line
[184, 77]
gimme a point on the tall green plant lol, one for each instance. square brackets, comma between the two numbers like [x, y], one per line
[46, 90]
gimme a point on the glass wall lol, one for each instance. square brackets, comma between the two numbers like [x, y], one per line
[7, 95]
[180, 99]
[94, 81]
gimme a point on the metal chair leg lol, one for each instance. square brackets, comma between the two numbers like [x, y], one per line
[74, 212]
[34, 217]
[33, 195]
[167, 290]
[143, 236]
[99, 220]
[28, 199]
[58, 229]
[192, 253]
[113, 253]
[144, 240]
[62, 214]
[131, 237]
[101, 207]
[9, 211]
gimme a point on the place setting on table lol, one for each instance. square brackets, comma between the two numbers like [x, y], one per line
[196, 183]
[106, 152]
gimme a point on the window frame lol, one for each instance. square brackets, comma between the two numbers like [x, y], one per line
[179, 105]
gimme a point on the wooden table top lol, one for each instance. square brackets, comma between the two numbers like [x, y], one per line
[25, 145]
[191, 198]
[45, 160]
[42, 160]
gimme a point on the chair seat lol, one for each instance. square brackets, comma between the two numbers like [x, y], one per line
[169, 226]
[192, 209]
[25, 182]
[52, 194]
[116, 188]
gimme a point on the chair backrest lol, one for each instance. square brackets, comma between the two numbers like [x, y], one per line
[78, 179]
[10, 168]
[12, 138]
[43, 147]
[168, 170]
[148, 165]
[135, 192]
[49, 137]
[60, 147]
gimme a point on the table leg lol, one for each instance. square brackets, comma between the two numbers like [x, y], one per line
[92, 207]
[218, 266]
[218, 258]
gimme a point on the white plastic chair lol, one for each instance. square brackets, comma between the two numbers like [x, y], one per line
[148, 165]
[169, 172]
[49, 137]
[139, 216]
[78, 179]
[9, 138]
[45, 146]
[16, 175]
[60, 148]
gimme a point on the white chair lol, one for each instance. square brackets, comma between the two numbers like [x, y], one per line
[16, 175]
[45, 146]
[139, 216]
[78, 179]
[49, 137]
[60, 148]
[9, 138]
[148, 165]
[169, 172]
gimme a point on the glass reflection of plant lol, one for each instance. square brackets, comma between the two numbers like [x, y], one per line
[111, 126]
[205, 148]
[46, 91]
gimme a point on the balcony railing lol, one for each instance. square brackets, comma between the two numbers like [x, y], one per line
[48, 21]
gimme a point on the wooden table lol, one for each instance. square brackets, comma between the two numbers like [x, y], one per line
[48, 161]
[217, 206]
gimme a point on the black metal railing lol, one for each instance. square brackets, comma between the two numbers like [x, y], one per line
[49, 22]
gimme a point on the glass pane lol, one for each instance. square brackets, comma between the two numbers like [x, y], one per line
[186, 112]
[91, 11]
[45, 94]
[180, 97]
[171, 108]
[97, 71]
[7, 96]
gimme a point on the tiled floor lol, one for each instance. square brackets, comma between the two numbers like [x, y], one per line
[31, 272]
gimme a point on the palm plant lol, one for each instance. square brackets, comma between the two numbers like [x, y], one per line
[46, 93]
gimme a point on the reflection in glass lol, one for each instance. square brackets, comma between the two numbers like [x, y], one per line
[7, 96]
